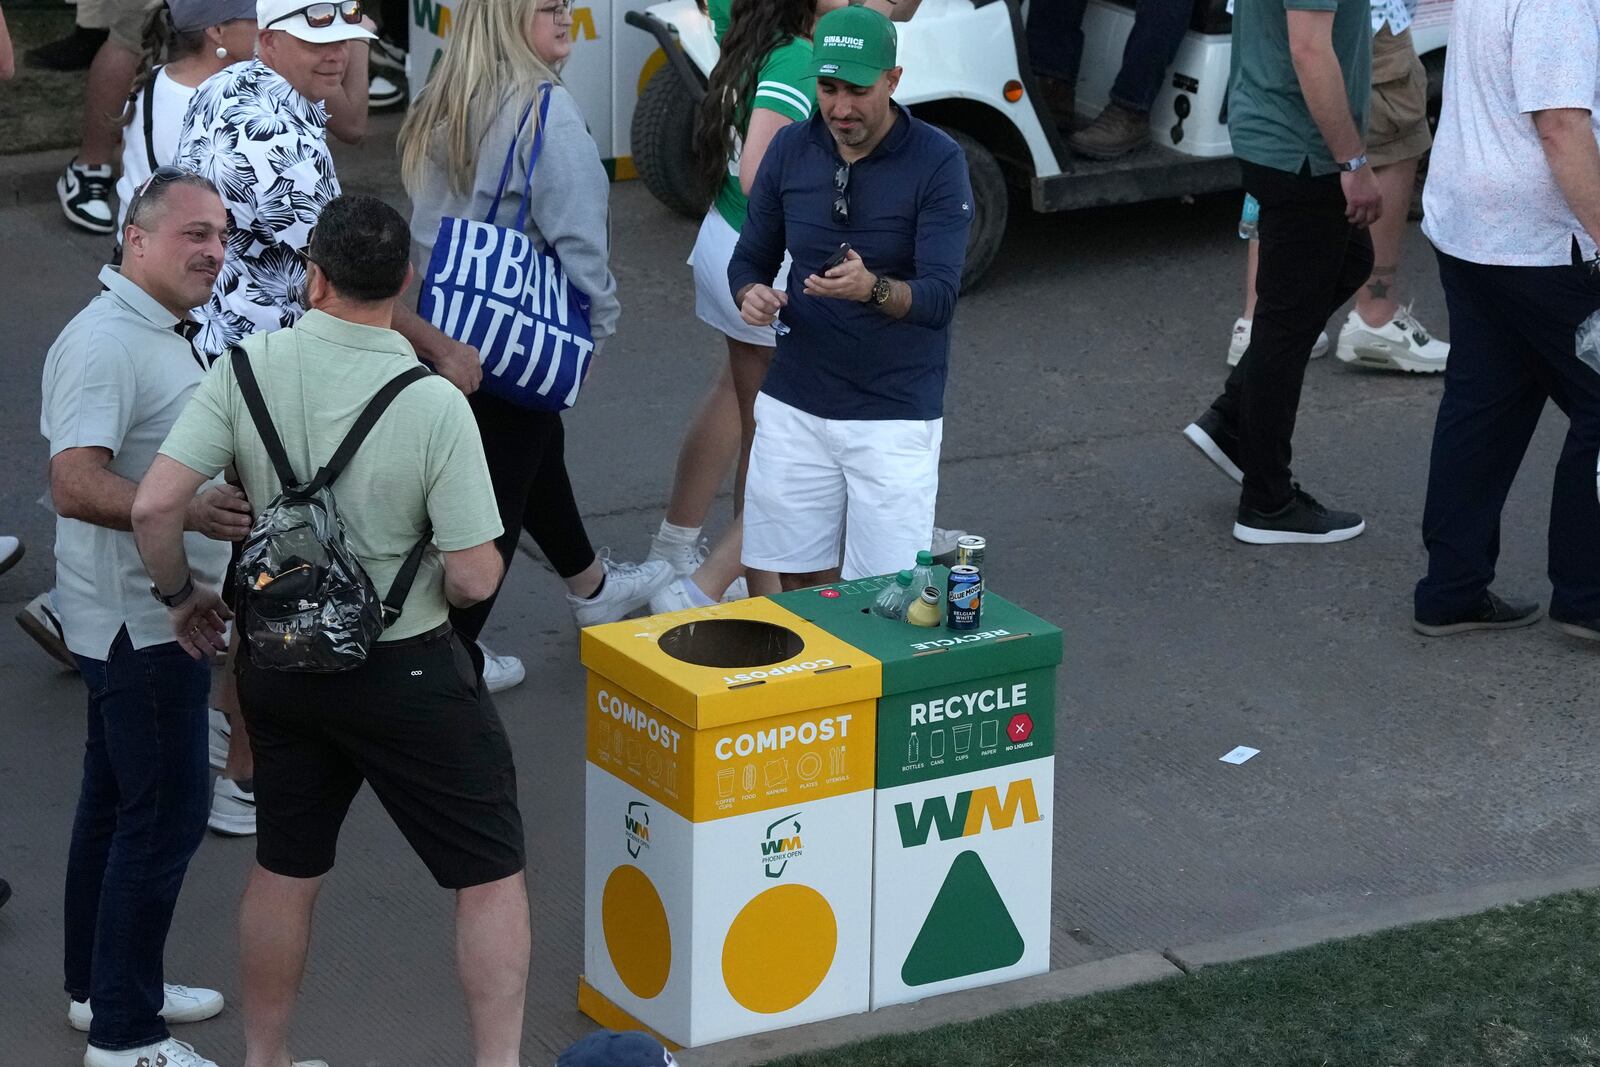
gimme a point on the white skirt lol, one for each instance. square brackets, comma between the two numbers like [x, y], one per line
[713, 248]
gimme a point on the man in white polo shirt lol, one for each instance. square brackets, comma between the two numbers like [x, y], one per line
[1513, 207]
[114, 384]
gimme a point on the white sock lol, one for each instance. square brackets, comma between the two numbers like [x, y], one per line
[683, 535]
[697, 596]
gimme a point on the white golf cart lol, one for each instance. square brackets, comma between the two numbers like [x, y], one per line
[967, 69]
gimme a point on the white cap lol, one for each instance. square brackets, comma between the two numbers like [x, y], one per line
[289, 16]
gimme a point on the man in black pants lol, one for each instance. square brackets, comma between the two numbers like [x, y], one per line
[1298, 109]
[413, 721]
[1513, 198]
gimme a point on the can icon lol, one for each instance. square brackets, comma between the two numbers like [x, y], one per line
[965, 598]
[970, 550]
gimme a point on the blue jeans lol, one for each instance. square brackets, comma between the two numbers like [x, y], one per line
[1512, 347]
[141, 815]
[1055, 45]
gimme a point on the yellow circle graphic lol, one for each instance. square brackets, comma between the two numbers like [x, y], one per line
[779, 948]
[637, 936]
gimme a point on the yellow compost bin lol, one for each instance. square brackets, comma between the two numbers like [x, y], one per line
[729, 823]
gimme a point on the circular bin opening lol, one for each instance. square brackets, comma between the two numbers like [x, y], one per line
[731, 643]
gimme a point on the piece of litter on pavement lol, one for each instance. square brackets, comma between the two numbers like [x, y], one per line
[1240, 754]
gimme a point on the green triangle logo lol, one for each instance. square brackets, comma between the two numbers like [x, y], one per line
[968, 930]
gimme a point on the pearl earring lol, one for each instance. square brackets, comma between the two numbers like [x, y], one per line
[222, 53]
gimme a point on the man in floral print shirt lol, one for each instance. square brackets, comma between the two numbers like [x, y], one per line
[258, 130]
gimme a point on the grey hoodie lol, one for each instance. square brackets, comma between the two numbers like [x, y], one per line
[569, 204]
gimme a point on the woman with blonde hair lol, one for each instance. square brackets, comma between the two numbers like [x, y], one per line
[473, 112]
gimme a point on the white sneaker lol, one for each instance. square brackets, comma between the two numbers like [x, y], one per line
[39, 621]
[180, 1004]
[169, 1053]
[220, 731]
[943, 544]
[233, 810]
[384, 92]
[501, 672]
[685, 556]
[1241, 341]
[11, 551]
[675, 597]
[85, 195]
[1400, 344]
[739, 590]
[628, 587]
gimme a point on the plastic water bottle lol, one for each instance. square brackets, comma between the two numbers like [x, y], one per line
[891, 603]
[1250, 219]
[921, 574]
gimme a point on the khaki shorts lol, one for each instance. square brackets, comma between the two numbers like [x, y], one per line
[1397, 127]
[124, 18]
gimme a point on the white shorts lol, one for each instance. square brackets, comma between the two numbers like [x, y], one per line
[813, 480]
[713, 248]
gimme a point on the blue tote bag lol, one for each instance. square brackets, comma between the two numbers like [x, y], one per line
[489, 287]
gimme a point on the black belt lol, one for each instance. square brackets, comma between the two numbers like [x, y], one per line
[444, 629]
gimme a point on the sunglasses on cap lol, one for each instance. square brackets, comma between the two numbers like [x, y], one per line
[321, 15]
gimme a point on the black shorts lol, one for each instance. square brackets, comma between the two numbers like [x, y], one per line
[416, 723]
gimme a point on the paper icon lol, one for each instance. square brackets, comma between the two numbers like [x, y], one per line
[1241, 754]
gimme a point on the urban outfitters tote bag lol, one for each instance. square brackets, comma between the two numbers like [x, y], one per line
[489, 287]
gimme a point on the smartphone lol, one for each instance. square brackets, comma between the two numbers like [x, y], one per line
[837, 258]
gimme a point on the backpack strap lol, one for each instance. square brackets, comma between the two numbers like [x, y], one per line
[401, 587]
[363, 425]
[257, 405]
[150, 119]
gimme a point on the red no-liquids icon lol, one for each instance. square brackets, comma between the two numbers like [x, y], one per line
[1021, 728]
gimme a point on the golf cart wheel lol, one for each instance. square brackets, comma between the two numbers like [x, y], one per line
[990, 206]
[663, 142]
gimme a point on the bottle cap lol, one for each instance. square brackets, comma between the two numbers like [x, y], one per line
[904, 577]
[930, 595]
[924, 558]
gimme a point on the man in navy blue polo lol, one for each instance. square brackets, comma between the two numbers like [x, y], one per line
[849, 420]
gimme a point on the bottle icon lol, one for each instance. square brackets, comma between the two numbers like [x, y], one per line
[911, 749]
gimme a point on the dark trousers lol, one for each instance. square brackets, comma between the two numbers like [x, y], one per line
[1055, 45]
[141, 814]
[1511, 347]
[526, 453]
[1312, 261]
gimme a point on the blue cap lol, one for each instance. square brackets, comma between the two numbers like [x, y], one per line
[607, 1048]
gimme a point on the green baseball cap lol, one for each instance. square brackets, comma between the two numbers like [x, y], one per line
[853, 44]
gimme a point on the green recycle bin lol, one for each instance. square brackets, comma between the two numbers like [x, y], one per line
[965, 789]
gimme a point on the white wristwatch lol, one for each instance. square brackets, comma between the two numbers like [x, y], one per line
[1352, 165]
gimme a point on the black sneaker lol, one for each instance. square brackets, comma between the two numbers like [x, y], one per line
[1491, 613]
[1302, 521]
[1219, 444]
[75, 51]
[85, 195]
[1588, 629]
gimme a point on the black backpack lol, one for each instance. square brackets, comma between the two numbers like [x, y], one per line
[305, 602]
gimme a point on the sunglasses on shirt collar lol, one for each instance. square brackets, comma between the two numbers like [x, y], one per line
[320, 16]
[841, 202]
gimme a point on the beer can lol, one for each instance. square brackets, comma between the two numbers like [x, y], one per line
[970, 549]
[965, 598]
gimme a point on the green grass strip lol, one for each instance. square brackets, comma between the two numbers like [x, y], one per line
[1514, 987]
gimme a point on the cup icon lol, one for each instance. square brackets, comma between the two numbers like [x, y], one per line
[725, 782]
[963, 737]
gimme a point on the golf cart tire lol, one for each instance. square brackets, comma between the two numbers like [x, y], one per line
[991, 203]
[663, 142]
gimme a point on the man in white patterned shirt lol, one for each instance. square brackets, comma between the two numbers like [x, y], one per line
[258, 130]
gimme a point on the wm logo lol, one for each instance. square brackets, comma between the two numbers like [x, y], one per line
[966, 814]
[781, 844]
[636, 827]
[431, 16]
